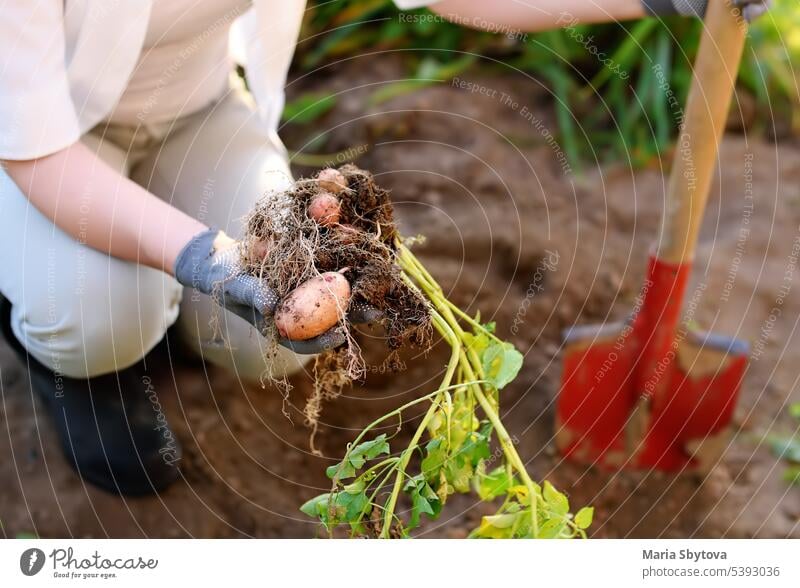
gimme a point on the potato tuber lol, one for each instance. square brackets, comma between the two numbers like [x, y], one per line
[332, 180]
[313, 307]
[325, 209]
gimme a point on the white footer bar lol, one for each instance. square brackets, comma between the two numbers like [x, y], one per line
[707, 563]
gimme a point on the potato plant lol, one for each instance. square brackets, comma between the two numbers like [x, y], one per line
[449, 452]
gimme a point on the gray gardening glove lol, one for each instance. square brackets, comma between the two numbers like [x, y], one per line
[218, 274]
[751, 9]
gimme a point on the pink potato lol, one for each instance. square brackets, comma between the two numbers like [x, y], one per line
[313, 307]
[257, 249]
[325, 209]
[332, 180]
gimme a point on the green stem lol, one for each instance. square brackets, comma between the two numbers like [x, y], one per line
[386, 474]
[472, 322]
[470, 366]
[388, 514]
[511, 454]
[388, 416]
[440, 323]
[466, 358]
[435, 290]
[507, 445]
[387, 461]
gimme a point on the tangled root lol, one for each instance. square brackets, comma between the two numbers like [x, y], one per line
[285, 247]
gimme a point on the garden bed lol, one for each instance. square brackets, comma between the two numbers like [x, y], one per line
[510, 232]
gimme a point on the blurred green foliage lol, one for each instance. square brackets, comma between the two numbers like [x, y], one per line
[612, 108]
[787, 447]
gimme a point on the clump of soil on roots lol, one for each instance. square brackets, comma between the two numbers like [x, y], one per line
[364, 241]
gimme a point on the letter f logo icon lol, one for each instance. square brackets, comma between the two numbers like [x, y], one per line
[31, 561]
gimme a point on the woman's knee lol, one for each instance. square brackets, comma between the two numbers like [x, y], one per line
[261, 362]
[218, 186]
[231, 343]
[102, 329]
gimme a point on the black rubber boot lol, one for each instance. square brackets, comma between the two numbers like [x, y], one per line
[112, 428]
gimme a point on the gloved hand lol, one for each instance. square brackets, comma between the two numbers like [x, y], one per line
[210, 264]
[751, 9]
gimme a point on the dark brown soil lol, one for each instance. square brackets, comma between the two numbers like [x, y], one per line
[512, 233]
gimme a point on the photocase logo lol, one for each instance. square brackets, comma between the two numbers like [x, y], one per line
[31, 561]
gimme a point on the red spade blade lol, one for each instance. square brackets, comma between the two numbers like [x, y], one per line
[604, 419]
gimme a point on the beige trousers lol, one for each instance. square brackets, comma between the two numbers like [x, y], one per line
[83, 313]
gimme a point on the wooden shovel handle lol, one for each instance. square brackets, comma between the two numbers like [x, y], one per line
[715, 71]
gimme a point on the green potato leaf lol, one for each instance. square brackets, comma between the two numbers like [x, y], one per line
[331, 510]
[344, 470]
[500, 360]
[583, 518]
[495, 483]
[311, 508]
[501, 364]
[499, 526]
[458, 471]
[434, 460]
[353, 505]
[357, 457]
[551, 529]
[557, 501]
[476, 446]
[423, 500]
[320, 508]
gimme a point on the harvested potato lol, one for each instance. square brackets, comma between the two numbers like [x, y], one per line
[332, 180]
[313, 307]
[325, 208]
[257, 249]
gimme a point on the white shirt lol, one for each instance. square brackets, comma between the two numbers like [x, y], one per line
[184, 63]
[64, 64]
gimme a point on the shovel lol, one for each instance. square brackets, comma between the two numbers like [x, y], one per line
[654, 392]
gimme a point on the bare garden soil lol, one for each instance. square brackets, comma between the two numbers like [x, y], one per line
[510, 231]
